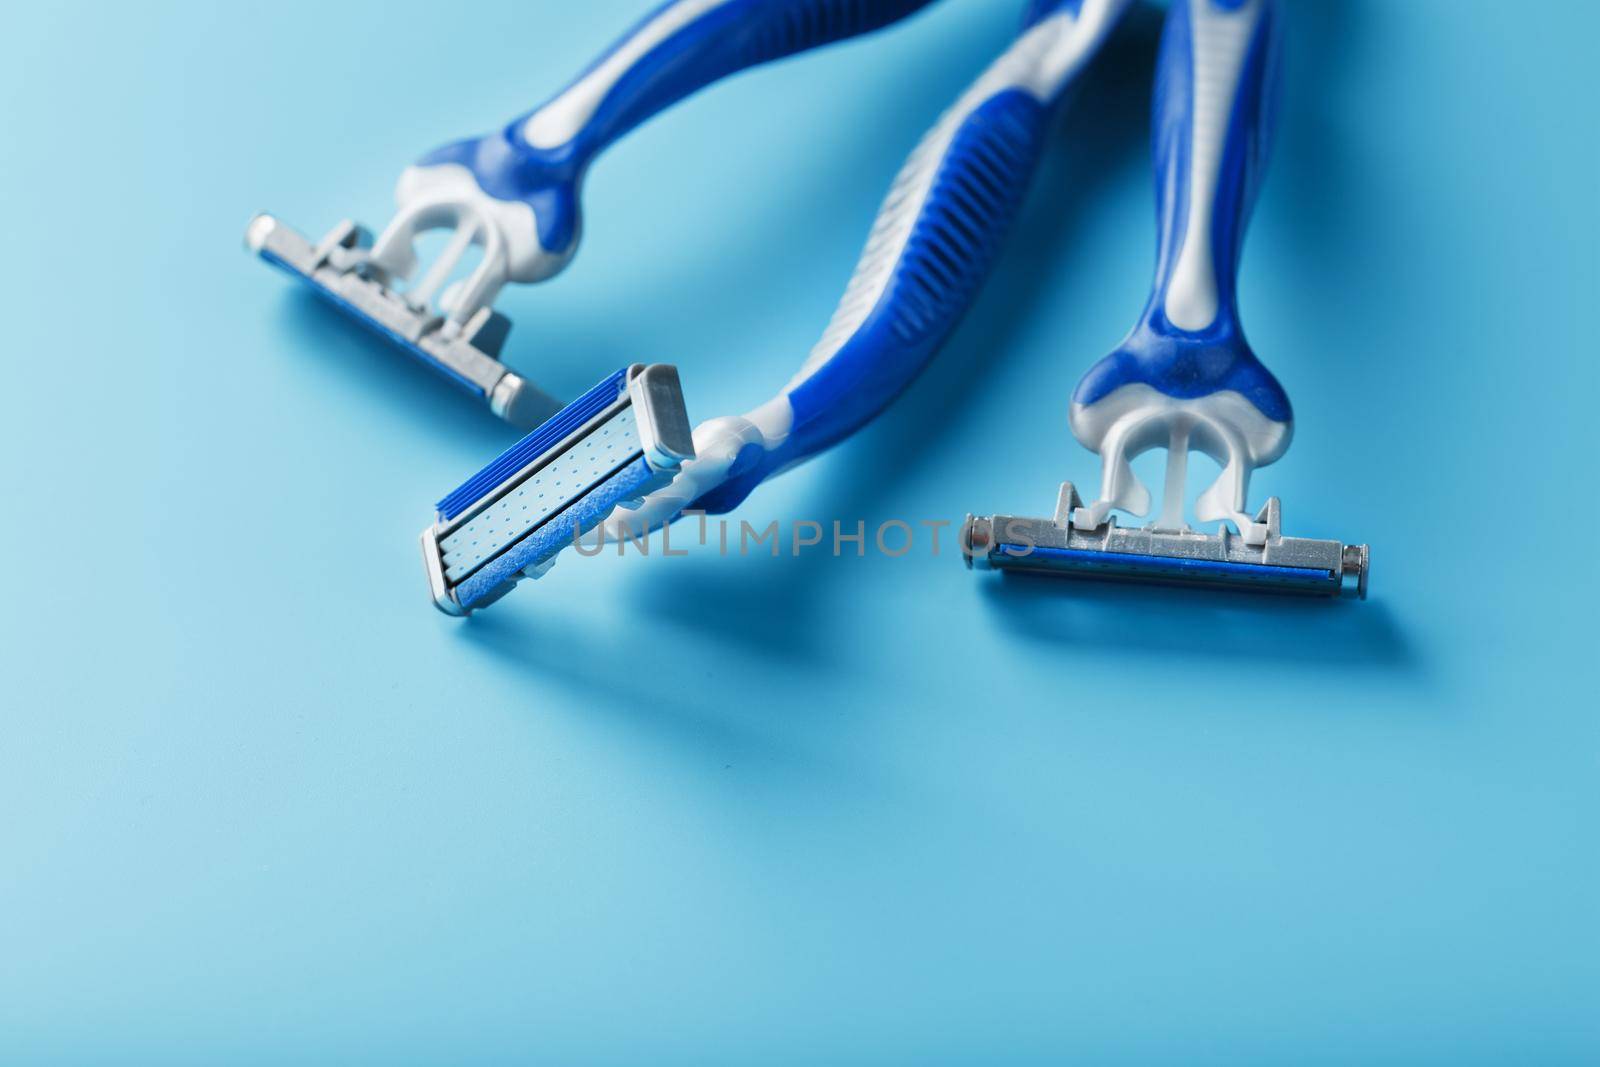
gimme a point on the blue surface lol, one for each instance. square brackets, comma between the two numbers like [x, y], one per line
[262, 804]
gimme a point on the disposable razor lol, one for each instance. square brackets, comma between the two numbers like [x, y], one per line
[513, 196]
[1185, 378]
[596, 467]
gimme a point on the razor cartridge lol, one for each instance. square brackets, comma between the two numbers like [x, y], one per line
[619, 441]
[510, 200]
[467, 354]
[1279, 564]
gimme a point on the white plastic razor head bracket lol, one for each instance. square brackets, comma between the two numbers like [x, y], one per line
[717, 445]
[1137, 418]
[448, 197]
[393, 258]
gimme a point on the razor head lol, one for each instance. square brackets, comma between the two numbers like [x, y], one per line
[466, 354]
[1056, 546]
[626, 437]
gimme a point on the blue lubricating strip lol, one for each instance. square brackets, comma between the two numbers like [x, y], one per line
[550, 433]
[372, 324]
[1168, 567]
[587, 511]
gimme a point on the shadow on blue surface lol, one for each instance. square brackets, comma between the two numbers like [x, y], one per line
[774, 611]
[667, 704]
[771, 608]
[1141, 622]
[388, 377]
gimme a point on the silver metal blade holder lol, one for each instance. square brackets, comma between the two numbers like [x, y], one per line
[467, 353]
[1281, 564]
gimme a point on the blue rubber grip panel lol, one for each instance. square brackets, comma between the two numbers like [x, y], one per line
[733, 37]
[550, 433]
[488, 582]
[975, 197]
[1188, 364]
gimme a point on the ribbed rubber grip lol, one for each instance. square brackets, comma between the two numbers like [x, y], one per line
[975, 192]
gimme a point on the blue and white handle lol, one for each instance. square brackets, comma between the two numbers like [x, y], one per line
[935, 238]
[1186, 377]
[515, 192]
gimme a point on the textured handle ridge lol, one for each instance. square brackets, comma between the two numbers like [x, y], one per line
[973, 198]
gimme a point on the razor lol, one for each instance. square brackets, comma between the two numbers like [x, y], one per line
[511, 199]
[595, 466]
[1185, 378]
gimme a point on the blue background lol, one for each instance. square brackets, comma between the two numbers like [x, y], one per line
[260, 803]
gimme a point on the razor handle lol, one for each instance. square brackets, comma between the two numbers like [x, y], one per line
[685, 45]
[1215, 97]
[937, 235]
